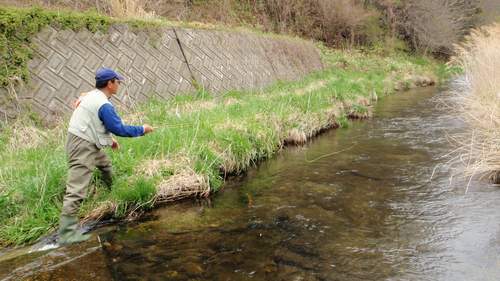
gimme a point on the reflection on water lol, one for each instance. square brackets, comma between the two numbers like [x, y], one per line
[355, 204]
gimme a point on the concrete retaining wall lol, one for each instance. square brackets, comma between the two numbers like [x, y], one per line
[157, 64]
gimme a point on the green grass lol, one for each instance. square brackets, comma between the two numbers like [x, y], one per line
[213, 134]
[18, 26]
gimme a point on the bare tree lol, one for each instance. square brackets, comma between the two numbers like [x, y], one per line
[333, 21]
[490, 11]
[342, 20]
[435, 25]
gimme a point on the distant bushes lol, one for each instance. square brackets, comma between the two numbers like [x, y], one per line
[427, 26]
[433, 26]
[336, 22]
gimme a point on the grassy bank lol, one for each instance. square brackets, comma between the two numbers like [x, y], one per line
[199, 139]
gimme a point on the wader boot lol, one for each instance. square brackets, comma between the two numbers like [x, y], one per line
[69, 232]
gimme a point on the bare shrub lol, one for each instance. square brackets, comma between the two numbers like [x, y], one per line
[286, 15]
[479, 100]
[173, 9]
[489, 11]
[344, 20]
[335, 22]
[129, 9]
[390, 13]
[435, 25]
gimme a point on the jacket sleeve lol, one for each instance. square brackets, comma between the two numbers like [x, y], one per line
[113, 123]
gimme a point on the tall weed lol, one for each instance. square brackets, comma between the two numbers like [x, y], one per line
[479, 100]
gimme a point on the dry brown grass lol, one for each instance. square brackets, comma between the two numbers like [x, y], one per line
[229, 161]
[130, 9]
[28, 137]
[184, 184]
[360, 115]
[25, 134]
[231, 101]
[479, 100]
[231, 125]
[333, 113]
[155, 167]
[363, 101]
[311, 87]
[105, 209]
[360, 108]
[196, 106]
[312, 124]
[192, 107]
[435, 25]
[134, 118]
[296, 137]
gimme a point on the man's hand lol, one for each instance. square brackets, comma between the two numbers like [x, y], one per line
[115, 145]
[147, 129]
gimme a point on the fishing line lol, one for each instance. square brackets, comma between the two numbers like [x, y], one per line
[329, 154]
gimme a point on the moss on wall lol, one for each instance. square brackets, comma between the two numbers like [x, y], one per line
[18, 26]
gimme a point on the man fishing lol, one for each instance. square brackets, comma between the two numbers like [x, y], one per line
[91, 126]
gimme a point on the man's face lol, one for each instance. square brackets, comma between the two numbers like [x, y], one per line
[113, 86]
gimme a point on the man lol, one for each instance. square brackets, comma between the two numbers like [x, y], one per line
[92, 123]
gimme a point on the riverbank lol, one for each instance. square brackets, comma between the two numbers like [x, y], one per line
[478, 102]
[199, 140]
